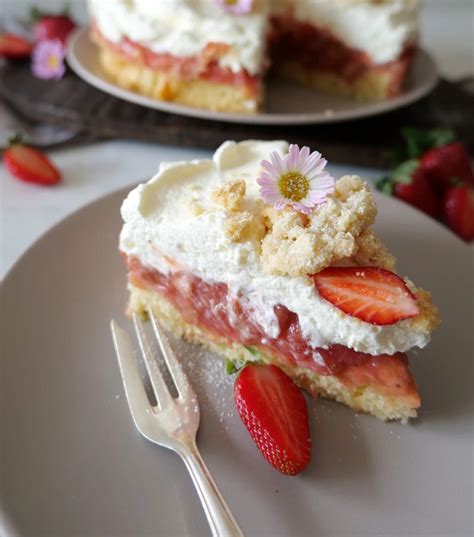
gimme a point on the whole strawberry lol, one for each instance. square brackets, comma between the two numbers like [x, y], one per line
[14, 46]
[418, 192]
[53, 27]
[30, 165]
[458, 206]
[443, 165]
[274, 411]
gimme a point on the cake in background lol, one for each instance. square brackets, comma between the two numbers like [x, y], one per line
[214, 54]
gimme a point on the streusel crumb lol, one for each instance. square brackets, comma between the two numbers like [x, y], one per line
[428, 318]
[238, 226]
[230, 196]
[296, 245]
[372, 252]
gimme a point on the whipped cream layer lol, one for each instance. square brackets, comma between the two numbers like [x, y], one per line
[183, 28]
[159, 225]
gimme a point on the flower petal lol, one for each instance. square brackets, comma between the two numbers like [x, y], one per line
[281, 204]
[270, 168]
[278, 162]
[298, 206]
[271, 198]
[303, 157]
[265, 179]
[313, 163]
[292, 157]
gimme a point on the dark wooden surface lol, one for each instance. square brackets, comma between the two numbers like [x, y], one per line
[74, 104]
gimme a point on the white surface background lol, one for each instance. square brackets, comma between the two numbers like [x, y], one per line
[27, 211]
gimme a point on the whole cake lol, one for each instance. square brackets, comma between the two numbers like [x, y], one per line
[260, 255]
[215, 54]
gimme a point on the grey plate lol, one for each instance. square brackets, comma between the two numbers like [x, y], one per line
[73, 464]
[287, 103]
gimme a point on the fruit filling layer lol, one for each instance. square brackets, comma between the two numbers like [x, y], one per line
[212, 308]
[204, 66]
[319, 49]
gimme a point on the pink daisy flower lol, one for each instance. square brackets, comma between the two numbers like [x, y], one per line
[48, 59]
[236, 7]
[298, 179]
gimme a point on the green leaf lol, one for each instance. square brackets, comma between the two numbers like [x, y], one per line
[34, 15]
[418, 141]
[252, 350]
[230, 368]
[66, 12]
[456, 181]
[440, 137]
[385, 185]
[403, 173]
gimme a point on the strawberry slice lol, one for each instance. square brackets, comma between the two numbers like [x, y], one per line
[274, 411]
[458, 206]
[30, 165]
[372, 294]
[14, 46]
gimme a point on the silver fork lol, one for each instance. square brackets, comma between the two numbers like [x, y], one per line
[173, 423]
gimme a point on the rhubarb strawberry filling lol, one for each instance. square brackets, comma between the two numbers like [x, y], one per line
[203, 66]
[210, 307]
[318, 49]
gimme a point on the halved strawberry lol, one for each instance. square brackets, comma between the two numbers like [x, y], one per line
[14, 46]
[372, 294]
[274, 411]
[30, 165]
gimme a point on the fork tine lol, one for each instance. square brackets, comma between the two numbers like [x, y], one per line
[160, 388]
[135, 392]
[179, 377]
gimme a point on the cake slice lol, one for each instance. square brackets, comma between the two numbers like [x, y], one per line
[192, 53]
[306, 285]
[355, 48]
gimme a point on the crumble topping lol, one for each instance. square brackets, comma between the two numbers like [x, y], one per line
[240, 225]
[296, 245]
[230, 196]
[372, 252]
[428, 318]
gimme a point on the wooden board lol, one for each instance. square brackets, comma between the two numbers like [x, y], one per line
[72, 103]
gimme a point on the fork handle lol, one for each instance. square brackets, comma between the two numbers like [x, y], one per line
[219, 517]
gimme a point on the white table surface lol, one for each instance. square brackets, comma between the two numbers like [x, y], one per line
[28, 211]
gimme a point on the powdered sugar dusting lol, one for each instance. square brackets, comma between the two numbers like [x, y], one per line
[206, 372]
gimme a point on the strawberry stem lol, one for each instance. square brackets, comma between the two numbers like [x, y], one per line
[35, 15]
[17, 139]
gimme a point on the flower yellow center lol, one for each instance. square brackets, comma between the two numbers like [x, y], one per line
[53, 62]
[231, 2]
[293, 186]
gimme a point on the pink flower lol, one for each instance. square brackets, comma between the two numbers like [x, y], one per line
[48, 59]
[236, 7]
[298, 179]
